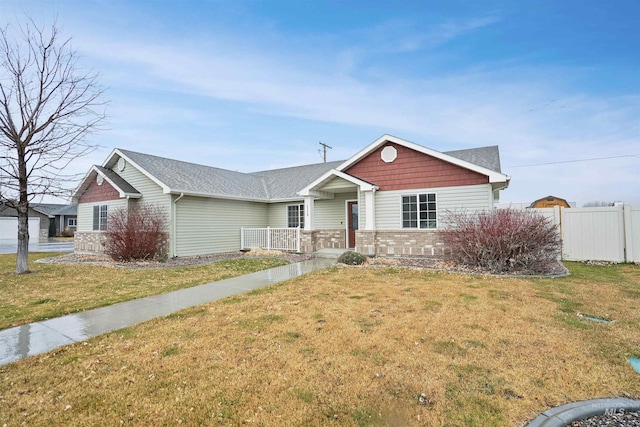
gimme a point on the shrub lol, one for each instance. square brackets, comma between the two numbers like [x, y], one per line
[503, 240]
[136, 233]
[352, 258]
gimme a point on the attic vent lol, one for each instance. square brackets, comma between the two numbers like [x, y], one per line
[389, 154]
[99, 179]
[121, 164]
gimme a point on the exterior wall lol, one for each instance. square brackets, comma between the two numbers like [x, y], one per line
[99, 193]
[388, 204]
[277, 213]
[332, 213]
[424, 243]
[206, 226]
[151, 192]
[312, 241]
[89, 242]
[412, 169]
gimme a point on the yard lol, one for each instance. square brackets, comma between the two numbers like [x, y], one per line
[350, 346]
[58, 289]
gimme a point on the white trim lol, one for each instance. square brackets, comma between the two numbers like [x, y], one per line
[165, 188]
[121, 193]
[417, 194]
[304, 213]
[328, 176]
[492, 175]
[347, 216]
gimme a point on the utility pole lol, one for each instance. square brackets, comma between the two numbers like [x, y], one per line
[324, 148]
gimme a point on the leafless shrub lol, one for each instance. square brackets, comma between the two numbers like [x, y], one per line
[136, 233]
[503, 240]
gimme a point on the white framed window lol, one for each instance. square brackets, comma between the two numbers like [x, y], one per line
[100, 215]
[295, 215]
[72, 222]
[419, 211]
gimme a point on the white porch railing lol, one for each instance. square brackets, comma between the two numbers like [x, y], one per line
[282, 239]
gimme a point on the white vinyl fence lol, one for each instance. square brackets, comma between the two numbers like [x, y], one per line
[283, 239]
[603, 234]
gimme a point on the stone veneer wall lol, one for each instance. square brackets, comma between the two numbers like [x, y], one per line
[311, 241]
[427, 243]
[89, 242]
[93, 242]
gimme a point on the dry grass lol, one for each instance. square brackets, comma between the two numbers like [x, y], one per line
[350, 347]
[54, 290]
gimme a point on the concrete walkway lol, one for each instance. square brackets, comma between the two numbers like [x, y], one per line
[40, 337]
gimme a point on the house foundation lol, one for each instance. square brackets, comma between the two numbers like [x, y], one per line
[423, 243]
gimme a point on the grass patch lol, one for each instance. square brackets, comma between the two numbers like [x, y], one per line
[55, 290]
[306, 354]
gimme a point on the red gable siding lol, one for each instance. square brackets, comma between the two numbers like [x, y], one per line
[99, 193]
[412, 169]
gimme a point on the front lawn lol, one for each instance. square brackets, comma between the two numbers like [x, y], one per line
[54, 290]
[350, 347]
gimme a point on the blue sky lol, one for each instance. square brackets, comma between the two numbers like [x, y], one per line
[253, 85]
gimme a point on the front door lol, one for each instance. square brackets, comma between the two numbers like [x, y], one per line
[352, 224]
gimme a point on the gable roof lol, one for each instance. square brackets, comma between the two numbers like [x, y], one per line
[53, 209]
[487, 158]
[275, 185]
[176, 176]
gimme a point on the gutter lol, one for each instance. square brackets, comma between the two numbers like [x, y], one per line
[174, 226]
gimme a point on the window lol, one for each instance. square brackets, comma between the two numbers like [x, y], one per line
[100, 214]
[72, 222]
[295, 216]
[419, 211]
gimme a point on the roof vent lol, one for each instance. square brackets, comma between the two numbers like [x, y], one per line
[389, 154]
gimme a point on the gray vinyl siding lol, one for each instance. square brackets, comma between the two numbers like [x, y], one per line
[151, 192]
[207, 226]
[331, 214]
[85, 212]
[277, 213]
[469, 197]
[336, 183]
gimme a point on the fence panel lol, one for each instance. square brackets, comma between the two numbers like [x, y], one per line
[632, 232]
[593, 234]
[283, 239]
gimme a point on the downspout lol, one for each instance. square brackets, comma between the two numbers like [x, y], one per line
[174, 227]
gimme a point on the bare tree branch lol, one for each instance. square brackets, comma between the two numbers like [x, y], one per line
[48, 108]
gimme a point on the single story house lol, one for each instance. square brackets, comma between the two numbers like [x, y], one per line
[388, 199]
[38, 225]
[62, 218]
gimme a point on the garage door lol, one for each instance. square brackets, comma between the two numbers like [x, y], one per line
[9, 229]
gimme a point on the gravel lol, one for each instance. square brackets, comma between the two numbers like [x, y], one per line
[617, 419]
[172, 262]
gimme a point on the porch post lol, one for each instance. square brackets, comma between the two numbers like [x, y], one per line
[308, 213]
[370, 210]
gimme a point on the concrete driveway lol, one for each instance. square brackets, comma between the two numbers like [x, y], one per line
[11, 247]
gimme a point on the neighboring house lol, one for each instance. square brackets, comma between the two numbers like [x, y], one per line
[38, 224]
[388, 199]
[62, 218]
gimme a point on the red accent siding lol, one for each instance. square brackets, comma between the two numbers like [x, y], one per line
[412, 169]
[99, 193]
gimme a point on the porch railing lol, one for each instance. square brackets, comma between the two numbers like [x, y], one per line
[282, 239]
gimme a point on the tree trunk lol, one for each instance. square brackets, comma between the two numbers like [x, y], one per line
[22, 261]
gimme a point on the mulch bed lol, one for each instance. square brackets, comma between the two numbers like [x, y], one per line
[618, 419]
[412, 262]
[172, 262]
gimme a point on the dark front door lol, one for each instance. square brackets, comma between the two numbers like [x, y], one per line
[352, 223]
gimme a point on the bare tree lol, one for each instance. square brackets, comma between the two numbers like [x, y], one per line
[48, 106]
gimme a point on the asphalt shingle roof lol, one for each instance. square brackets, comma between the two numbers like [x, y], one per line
[268, 185]
[118, 181]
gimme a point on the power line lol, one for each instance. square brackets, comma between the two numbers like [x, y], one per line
[576, 161]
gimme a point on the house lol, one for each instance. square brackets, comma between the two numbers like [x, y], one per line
[387, 199]
[38, 225]
[62, 218]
